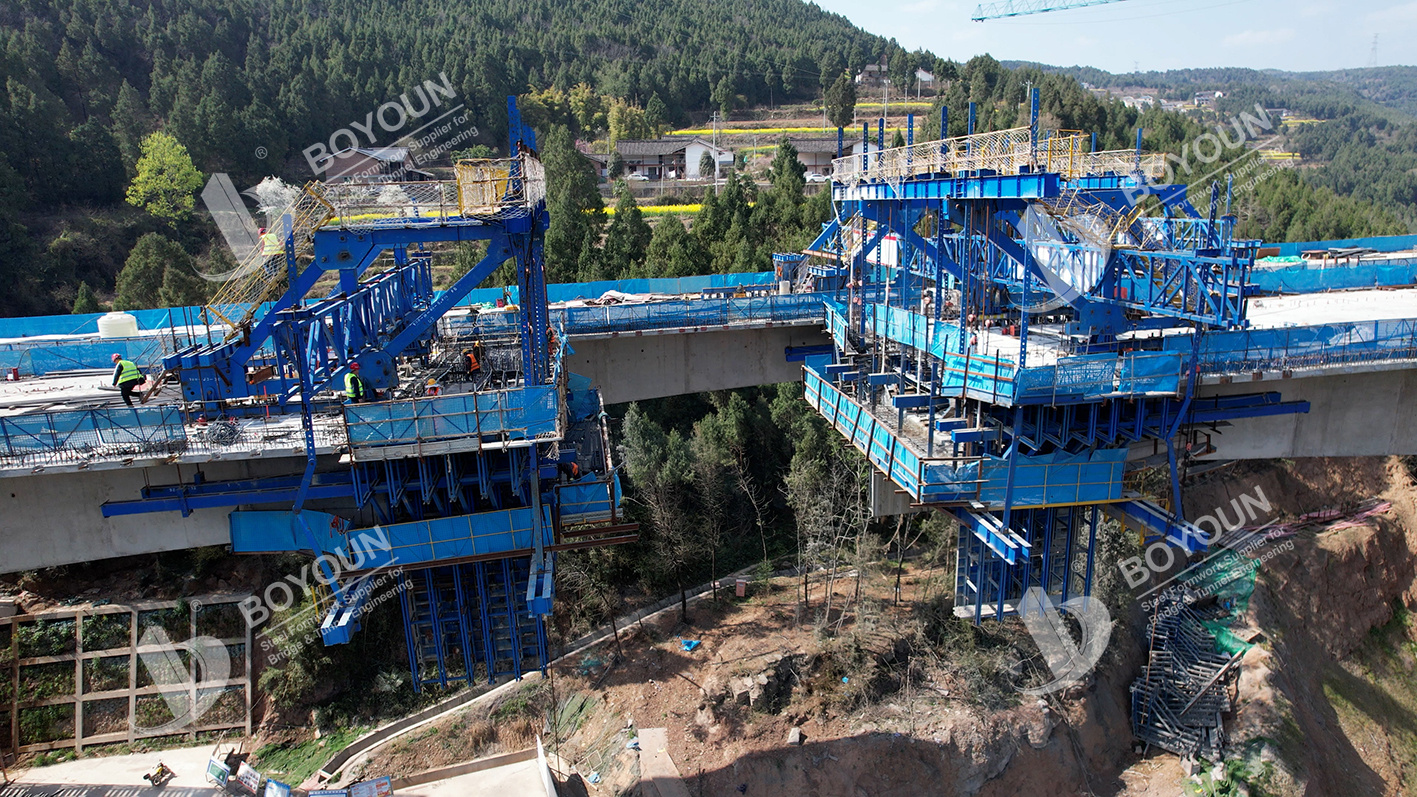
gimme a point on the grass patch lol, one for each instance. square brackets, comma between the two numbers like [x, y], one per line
[296, 762]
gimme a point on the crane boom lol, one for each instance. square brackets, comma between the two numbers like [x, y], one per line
[1000, 9]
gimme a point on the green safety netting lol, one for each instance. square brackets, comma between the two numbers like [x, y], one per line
[1228, 577]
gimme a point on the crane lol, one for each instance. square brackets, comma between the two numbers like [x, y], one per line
[1000, 9]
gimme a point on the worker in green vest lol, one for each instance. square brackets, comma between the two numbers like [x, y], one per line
[127, 377]
[355, 390]
[272, 252]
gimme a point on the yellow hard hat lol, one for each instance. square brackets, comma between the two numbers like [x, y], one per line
[432, 381]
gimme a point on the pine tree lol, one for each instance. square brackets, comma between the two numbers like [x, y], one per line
[841, 101]
[577, 212]
[181, 285]
[627, 238]
[672, 252]
[85, 301]
[140, 282]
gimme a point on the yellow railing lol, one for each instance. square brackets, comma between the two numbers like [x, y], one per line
[1005, 152]
[482, 188]
[261, 277]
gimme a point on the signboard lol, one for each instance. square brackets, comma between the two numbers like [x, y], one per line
[217, 772]
[275, 788]
[248, 777]
[378, 787]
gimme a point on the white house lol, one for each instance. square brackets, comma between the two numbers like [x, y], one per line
[671, 158]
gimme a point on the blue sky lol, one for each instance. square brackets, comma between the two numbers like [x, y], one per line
[1297, 35]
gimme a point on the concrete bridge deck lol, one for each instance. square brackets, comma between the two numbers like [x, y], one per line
[1360, 404]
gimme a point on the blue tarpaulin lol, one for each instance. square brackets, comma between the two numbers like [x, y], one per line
[1304, 279]
[518, 414]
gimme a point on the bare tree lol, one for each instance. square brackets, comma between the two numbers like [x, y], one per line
[829, 501]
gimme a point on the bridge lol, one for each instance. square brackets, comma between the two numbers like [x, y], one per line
[1004, 323]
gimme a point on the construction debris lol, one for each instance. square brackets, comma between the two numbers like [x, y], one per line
[1179, 702]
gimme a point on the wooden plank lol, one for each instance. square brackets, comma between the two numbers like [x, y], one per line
[656, 767]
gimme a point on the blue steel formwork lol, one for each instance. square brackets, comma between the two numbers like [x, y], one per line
[990, 289]
[463, 493]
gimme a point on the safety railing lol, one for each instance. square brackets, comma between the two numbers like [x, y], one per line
[1096, 375]
[359, 205]
[120, 435]
[689, 313]
[491, 186]
[56, 438]
[1182, 233]
[1122, 161]
[1007, 152]
[444, 424]
[261, 276]
[1307, 347]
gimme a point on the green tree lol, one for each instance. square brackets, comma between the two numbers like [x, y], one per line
[707, 166]
[672, 252]
[165, 179]
[181, 285]
[626, 239]
[140, 282]
[725, 96]
[85, 301]
[841, 101]
[656, 114]
[577, 212]
[788, 175]
[474, 152]
[661, 468]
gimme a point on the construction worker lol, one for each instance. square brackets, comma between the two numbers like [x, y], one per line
[355, 388]
[551, 343]
[127, 377]
[271, 251]
[473, 366]
[432, 388]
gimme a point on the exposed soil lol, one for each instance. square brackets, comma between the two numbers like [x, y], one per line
[762, 668]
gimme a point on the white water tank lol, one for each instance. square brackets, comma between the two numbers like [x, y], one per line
[117, 325]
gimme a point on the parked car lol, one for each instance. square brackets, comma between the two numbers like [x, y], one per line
[636, 177]
[818, 178]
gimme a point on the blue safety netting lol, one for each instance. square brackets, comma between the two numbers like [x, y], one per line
[1059, 478]
[1304, 347]
[689, 313]
[565, 292]
[1151, 372]
[837, 325]
[1379, 243]
[1306, 279]
[517, 414]
[75, 435]
[1071, 377]
[412, 543]
[583, 400]
[164, 318]
[43, 357]
[588, 497]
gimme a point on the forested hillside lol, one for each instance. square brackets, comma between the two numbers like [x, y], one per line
[246, 85]
[245, 88]
[1375, 89]
[1364, 146]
